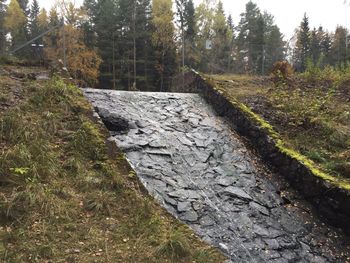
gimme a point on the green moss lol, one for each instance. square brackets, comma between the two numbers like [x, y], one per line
[280, 144]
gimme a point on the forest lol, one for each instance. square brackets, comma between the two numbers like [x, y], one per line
[141, 44]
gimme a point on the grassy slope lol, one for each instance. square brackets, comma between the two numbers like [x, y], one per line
[63, 199]
[312, 116]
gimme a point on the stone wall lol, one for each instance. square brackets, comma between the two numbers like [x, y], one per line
[332, 201]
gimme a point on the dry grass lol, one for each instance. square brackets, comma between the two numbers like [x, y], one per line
[63, 199]
[312, 113]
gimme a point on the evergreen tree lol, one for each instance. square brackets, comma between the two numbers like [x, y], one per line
[325, 46]
[302, 48]
[339, 52]
[204, 21]
[33, 19]
[221, 40]
[105, 25]
[51, 39]
[315, 46]
[145, 54]
[230, 23]
[89, 6]
[24, 6]
[274, 48]
[2, 26]
[190, 33]
[250, 39]
[163, 40]
[180, 6]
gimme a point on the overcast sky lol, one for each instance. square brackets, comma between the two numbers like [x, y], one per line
[288, 14]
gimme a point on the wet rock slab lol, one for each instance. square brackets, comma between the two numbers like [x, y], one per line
[201, 172]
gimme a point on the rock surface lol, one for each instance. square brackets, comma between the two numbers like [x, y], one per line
[201, 172]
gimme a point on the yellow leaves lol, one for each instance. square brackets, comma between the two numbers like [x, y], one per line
[83, 63]
[43, 20]
[163, 22]
[15, 18]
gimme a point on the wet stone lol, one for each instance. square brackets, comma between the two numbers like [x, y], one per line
[184, 206]
[238, 193]
[263, 210]
[189, 216]
[189, 159]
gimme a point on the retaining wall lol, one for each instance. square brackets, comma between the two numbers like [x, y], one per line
[331, 200]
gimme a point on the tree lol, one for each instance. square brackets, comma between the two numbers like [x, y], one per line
[180, 6]
[302, 48]
[339, 51]
[190, 33]
[250, 40]
[15, 23]
[33, 19]
[83, 63]
[204, 21]
[222, 36]
[315, 46]
[90, 7]
[43, 21]
[24, 6]
[274, 48]
[145, 53]
[2, 26]
[163, 39]
[325, 46]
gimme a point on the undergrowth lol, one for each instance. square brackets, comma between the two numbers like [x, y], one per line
[311, 113]
[63, 199]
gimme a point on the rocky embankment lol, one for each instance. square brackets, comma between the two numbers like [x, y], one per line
[189, 159]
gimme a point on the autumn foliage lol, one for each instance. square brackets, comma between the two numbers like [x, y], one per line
[282, 70]
[82, 63]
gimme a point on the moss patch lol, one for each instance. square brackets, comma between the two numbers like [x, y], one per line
[280, 143]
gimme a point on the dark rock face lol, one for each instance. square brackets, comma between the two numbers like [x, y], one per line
[113, 121]
[189, 159]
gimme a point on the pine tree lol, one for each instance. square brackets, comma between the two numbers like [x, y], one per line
[315, 47]
[51, 39]
[89, 6]
[24, 6]
[145, 62]
[204, 21]
[339, 52]
[190, 33]
[274, 45]
[180, 6]
[33, 19]
[163, 40]
[302, 48]
[2, 26]
[15, 23]
[230, 23]
[325, 46]
[105, 28]
[221, 40]
[249, 41]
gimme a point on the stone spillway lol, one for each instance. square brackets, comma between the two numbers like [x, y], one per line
[202, 172]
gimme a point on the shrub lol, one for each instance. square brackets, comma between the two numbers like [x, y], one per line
[282, 71]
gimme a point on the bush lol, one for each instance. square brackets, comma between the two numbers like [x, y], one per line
[282, 71]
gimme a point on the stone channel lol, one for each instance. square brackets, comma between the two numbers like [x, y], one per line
[203, 173]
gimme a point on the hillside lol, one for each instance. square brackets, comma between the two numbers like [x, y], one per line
[311, 111]
[64, 196]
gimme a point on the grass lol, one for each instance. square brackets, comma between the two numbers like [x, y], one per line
[64, 199]
[308, 118]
